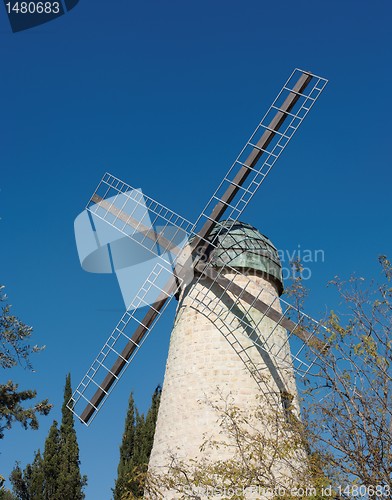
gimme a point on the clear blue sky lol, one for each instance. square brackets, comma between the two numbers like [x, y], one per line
[163, 95]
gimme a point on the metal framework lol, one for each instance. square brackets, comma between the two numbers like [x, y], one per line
[303, 332]
[121, 346]
[165, 233]
[268, 141]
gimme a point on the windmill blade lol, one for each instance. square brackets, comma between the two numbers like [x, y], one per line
[165, 234]
[124, 342]
[302, 330]
[274, 132]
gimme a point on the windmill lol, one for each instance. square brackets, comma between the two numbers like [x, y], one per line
[195, 263]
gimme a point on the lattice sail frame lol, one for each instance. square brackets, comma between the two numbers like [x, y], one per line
[271, 153]
[120, 337]
[165, 218]
[159, 216]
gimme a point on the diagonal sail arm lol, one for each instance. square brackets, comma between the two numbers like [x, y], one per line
[120, 348]
[121, 361]
[257, 150]
[256, 302]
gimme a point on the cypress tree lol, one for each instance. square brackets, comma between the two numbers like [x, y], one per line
[151, 420]
[136, 447]
[70, 481]
[56, 475]
[139, 453]
[7, 495]
[33, 479]
[126, 452]
[19, 484]
[52, 463]
[29, 483]
[37, 478]
[140, 457]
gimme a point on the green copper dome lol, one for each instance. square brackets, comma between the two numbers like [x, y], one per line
[243, 246]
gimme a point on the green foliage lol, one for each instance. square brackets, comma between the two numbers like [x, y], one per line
[37, 478]
[19, 483]
[151, 420]
[56, 475]
[126, 451]
[7, 495]
[140, 450]
[70, 481]
[51, 463]
[11, 409]
[14, 334]
[15, 349]
[28, 484]
[4, 493]
[135, 449]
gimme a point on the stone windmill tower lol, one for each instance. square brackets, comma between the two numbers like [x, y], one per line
[229, 349]
[231, 330]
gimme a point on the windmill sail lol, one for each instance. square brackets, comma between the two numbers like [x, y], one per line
[260, 153]
[122, 345]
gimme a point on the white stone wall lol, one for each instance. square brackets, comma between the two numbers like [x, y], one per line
[202, 363]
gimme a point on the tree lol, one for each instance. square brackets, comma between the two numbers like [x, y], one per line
[70, 481]
[346, 425]
[348, 410]
[126, 451]
[151, 421]
[56, 475]
[5, 494]
[265, 459]
[28, 484]
[19, 483]
[14, 349]
[52, 463]
[136, 448]
[139, 462]
[37, 478]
